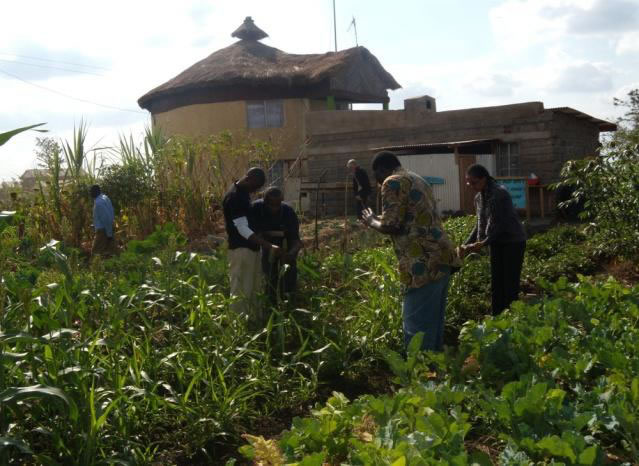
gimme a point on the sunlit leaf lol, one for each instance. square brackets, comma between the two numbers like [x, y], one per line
[4, 137]
[6, 442]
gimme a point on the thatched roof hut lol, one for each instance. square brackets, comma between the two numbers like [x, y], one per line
[250, 70]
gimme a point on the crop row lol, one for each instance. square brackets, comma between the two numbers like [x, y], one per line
[554, 381]
[138, 359]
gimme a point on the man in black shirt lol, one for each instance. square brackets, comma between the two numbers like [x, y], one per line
[361, 186]
[244, 243]
[279, 225]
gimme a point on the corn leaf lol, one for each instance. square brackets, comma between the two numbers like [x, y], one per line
[4, 137]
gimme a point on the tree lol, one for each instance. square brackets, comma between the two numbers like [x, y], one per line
[47, 151]
[608, 185]
[632, 114]
[628, 124]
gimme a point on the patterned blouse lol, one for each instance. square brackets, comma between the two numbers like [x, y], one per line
[422, 246]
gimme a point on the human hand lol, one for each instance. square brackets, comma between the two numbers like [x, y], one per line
[474, 247]
[368, 216]
[275, 251]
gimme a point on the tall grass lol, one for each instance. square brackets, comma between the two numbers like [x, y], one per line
[139, 358]
[157, 180]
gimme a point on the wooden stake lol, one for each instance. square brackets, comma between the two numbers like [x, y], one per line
[317, 189]
[345, 214]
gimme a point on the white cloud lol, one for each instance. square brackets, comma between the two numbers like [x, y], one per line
[585, 77]
[622, 92]
[628, 44]
[520, 24]
[539, 54]
[605, 16]
[560, 80]
[493, 85]
[35, 62]
[141, 44]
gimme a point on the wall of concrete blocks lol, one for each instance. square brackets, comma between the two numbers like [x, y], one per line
[573, 138]
[546, 139]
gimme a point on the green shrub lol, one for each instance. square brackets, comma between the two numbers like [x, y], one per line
[126, 185]
[608, 188]
[553, 381]
[162, 237]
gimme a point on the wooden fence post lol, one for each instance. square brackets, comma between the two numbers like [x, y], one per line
[345, 214]
[319, 181]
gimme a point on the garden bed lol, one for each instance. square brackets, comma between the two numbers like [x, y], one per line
[137, 358]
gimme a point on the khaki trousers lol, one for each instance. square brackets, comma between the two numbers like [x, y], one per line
[246, 280]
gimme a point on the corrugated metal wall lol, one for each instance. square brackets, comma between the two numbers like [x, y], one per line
[444, 166]
[488, 161]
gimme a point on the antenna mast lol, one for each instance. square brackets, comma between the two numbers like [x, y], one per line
[354, 26]
[335, 25]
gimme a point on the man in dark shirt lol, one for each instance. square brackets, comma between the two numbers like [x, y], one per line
[244, 243]
[278, 224]
[361, 186]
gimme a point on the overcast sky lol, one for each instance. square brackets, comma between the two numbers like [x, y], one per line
[66, 60]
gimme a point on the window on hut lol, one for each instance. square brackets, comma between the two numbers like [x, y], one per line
[264, 114]
[276, 174]
[508, 159]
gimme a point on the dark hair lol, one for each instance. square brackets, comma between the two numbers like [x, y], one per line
[95, 190]
[272, 192]
[385, 159]
[478, 171]
[257, 174]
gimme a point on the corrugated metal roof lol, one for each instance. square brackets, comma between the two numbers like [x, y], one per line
[603, 124]
[431, 145]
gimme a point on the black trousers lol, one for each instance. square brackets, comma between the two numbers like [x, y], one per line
[506, 260]
[287, 281]
[361, 205]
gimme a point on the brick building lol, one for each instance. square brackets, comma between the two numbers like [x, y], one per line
[511, 140]
[304, 105]
[262, 93]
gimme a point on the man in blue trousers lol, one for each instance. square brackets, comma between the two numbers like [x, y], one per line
[425, 254]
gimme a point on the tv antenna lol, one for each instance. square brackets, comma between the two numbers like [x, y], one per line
[354, 26]
[335, 25]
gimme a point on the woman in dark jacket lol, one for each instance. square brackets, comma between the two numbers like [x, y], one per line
[498, 226]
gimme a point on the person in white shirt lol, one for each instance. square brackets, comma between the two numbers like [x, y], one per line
[244, 243]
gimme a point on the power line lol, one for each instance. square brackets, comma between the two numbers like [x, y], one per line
[70, 96]
[51, 67]
[55, 61]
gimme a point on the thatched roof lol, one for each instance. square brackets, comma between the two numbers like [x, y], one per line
[249, 69]
[249, 31]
